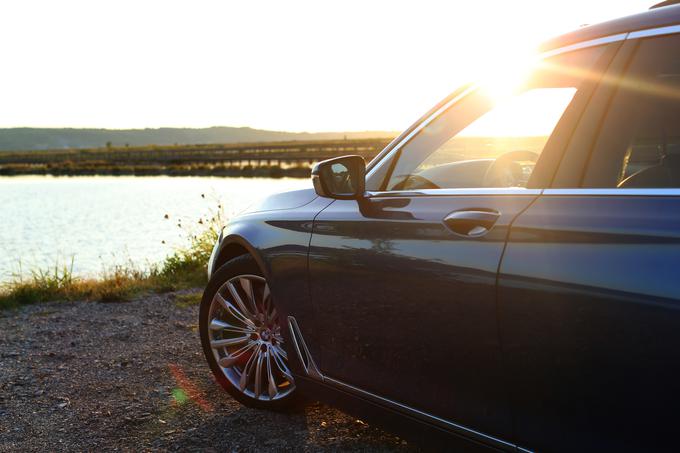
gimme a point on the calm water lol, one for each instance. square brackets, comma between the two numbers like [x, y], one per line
[102, 221]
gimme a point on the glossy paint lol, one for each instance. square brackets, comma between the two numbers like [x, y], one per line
[279, 241]
[408, 306]
[589, 304]
[285, 200]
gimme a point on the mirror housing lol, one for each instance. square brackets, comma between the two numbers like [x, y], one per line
[342, 178]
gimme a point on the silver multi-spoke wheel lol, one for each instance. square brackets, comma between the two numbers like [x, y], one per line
[245, 338]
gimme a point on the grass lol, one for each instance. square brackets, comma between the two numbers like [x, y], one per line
[184, 269]
[188, 300]
[60, 284]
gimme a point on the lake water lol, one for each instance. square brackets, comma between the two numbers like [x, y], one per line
[102, 221]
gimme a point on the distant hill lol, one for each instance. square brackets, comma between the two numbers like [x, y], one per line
[28, 138]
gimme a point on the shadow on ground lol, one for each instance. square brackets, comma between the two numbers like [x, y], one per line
[131, 376]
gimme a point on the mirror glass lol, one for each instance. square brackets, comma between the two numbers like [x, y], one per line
[340, 179]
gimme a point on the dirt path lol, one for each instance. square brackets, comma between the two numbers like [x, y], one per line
[131, 376]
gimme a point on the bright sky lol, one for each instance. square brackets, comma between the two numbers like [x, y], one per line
[282, 65]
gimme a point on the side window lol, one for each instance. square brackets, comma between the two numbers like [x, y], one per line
[639, 145]
[493, 137]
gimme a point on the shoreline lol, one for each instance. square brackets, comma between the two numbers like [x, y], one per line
[255, 172]
[183, 269]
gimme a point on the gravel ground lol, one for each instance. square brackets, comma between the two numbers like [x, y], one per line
[131, 376]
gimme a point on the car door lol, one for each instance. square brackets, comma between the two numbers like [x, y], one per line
[589, 285]
[404, 280]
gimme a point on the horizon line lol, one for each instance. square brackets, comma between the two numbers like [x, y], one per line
[198, 128]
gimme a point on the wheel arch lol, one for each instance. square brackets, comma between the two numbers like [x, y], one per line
[235, 245]
[228, 252]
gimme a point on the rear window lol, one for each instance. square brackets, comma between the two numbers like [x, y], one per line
[639, 146]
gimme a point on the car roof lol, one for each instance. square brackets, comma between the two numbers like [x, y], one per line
[654, 18]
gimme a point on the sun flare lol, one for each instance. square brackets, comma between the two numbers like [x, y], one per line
[510, 75]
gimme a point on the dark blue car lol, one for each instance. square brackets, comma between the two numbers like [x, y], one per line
[504, 275]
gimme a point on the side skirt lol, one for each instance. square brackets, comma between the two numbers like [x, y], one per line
[313, 373]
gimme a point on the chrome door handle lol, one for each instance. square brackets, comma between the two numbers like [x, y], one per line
[471, 223]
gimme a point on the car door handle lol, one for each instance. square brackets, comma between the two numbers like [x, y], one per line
[471, 223]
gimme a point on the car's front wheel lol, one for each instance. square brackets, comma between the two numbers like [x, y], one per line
[241, 336]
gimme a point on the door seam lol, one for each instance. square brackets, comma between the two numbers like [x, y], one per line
[308, 270]
[507, 386]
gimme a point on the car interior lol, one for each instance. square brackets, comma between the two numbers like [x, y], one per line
[493, 137]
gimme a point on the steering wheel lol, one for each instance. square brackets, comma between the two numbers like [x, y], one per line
[505, 171]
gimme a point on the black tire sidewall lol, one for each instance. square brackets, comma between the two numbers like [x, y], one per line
[241, 265]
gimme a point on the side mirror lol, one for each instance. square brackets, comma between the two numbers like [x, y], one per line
[343, 178]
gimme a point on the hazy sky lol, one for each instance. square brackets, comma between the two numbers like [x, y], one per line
[284, 65]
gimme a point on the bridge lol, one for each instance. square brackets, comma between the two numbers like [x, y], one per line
[298, 153]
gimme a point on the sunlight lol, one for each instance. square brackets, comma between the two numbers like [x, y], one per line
[533, 113]
[187, 390]
[317, 75]
[509, 74]
[519, 110]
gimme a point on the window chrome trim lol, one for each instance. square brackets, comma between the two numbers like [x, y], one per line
[584, 45]
[613, 192]
[484, 191]
[514, 191]
[668, 30]
[314, 373]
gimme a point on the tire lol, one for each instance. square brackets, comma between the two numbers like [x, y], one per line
[241, 337]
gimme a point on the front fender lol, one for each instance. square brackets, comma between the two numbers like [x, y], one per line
[229, 247]
[279, 242]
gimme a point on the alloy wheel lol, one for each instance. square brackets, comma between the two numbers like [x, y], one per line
[245, 338]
